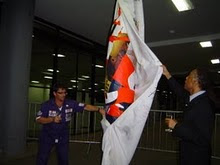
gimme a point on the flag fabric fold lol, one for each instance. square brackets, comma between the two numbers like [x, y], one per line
[121, 138]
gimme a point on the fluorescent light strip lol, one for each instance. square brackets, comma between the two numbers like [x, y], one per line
[215, 61]
[183, 5]
[206, 44]
[51, 70]
[81, 79]
[48, 77]
[84, 76]
[36, 82]
[60, 55]
[48, 73]
[99, 66]
[72, 80]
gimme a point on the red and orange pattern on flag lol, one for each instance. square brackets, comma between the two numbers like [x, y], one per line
[132, 75]
[119, 86]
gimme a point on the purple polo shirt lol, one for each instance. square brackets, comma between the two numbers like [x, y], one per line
[59, 131]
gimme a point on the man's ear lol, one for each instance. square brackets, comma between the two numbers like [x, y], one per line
[196, 82]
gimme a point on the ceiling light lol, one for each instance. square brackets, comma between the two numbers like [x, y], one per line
[99, 66]
[51, 70]
[72, 80]
[48, 73]
[206, 44]
[81, 79]
[48, 77]
[215, 61]
[60, 55]
[84, 76]
[70, 88]
[35, 82]
[183, 5]
[219, 71]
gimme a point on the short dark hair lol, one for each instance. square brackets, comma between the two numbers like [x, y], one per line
[57, 86]
[203, 78]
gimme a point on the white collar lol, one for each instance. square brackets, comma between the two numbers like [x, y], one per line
[191, 97]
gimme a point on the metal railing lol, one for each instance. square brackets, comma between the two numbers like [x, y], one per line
[154, 136]
[80, 129]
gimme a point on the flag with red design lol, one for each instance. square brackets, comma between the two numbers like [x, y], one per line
[132, 74]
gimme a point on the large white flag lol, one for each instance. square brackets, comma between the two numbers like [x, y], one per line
[122, 136]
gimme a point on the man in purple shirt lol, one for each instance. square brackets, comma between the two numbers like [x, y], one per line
[55, 115]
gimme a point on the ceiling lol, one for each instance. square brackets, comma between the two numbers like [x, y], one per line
[173, 36]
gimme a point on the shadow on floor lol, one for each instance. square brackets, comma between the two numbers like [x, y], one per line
[84, 154]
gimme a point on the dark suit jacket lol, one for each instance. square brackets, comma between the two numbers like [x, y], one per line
[195, 131]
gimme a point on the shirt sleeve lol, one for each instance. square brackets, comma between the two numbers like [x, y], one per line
[78, 107]
[43, 112]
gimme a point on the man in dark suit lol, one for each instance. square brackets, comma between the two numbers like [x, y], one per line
[195, 131]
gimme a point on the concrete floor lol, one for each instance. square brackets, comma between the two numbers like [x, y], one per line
[84, 154]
